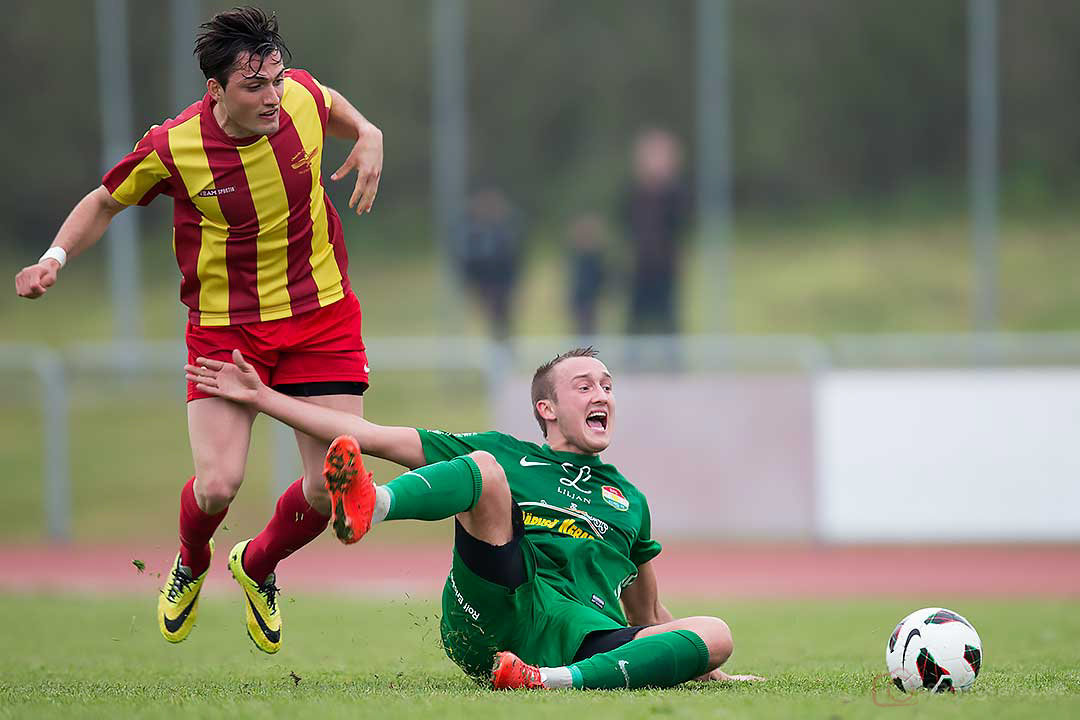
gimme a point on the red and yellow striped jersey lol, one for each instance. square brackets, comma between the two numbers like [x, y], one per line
[254, 233]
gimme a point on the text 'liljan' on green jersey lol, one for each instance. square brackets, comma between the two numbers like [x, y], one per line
[589, 525]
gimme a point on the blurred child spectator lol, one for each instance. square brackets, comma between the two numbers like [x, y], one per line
[588, 241]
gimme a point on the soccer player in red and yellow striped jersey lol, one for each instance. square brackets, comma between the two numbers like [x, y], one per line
[263, 269]
[255, 235]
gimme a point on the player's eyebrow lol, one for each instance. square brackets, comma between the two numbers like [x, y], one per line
[586, 376]
[259, 77]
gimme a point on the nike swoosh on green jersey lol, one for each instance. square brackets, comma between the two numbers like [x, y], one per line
[529, 463]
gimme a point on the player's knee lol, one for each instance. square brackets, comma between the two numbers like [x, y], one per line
[717, 637]
[214, 492]
[495, 490]
[489, 520]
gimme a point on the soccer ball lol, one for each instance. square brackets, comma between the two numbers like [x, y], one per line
[936, 649]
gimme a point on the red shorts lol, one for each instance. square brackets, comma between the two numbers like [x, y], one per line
[323, 345]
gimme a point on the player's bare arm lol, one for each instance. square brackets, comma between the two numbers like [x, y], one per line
[641, 599]
[238, 381]
[83, 227]
[366, 156]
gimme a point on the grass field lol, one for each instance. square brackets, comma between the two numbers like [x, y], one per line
[346, 657]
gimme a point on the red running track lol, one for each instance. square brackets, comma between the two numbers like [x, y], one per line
[769, 571]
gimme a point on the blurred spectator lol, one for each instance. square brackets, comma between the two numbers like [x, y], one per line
[588, 240]
[490, 257]
[655, 210]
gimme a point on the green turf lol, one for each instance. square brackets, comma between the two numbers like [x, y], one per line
[103, 657]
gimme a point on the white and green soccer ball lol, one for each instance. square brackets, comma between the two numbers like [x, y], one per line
[935, 649]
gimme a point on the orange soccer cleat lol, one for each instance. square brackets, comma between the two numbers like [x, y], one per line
[512, 673]
[352, 491]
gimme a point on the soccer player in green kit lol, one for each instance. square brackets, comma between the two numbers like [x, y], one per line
[552, 583]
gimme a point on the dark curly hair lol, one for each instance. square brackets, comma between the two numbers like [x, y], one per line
[234, 32]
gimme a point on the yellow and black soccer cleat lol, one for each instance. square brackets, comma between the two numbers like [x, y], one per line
[263, 615]
[179, 601]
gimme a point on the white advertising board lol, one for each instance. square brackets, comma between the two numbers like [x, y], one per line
[932, 455]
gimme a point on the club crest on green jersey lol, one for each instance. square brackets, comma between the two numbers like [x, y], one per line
[614, 497]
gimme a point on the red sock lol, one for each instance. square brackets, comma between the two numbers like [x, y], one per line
[196, 529]
[294, 525]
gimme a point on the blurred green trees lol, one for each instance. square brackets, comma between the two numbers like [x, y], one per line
[842, 101]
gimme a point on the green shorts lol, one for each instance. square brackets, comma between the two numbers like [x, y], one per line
[536, 622]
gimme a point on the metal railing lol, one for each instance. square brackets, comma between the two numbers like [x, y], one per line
[48, 366]
[53, 371]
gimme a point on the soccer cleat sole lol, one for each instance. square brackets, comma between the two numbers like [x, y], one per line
[352, 496]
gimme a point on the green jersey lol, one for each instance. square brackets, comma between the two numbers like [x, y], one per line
[588, 525]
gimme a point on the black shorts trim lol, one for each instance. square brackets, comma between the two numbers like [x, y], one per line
[500, 564]
[602, 641]
[317, 389]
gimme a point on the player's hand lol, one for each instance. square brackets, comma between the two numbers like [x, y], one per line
[366, 158]
[236, 381]
[34, 280]
[721, 676]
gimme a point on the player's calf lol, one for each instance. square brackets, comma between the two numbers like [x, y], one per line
[432, 492]
[662, 658]
[713, 631]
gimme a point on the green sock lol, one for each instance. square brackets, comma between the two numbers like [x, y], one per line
[662, 660]
[435, 491]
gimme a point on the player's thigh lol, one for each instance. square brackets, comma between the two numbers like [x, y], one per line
[481, 617]
[494, 516]
[220, 433]
[313, 450]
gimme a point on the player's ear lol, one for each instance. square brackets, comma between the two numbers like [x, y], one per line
[214, 88]
[546, 408]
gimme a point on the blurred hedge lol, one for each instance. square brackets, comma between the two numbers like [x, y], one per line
[834, 101]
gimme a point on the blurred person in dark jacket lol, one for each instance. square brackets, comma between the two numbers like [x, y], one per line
[588, 241]
[490, 255]
[655, 211]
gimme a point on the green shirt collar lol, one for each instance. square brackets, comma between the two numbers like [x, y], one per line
[575, 458]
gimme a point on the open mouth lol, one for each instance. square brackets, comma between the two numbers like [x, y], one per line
[597, 420]
[269, 115]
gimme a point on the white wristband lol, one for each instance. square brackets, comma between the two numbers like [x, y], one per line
[58, 254]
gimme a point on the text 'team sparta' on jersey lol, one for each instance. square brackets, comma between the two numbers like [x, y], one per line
[255, 235]
[589, 525]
